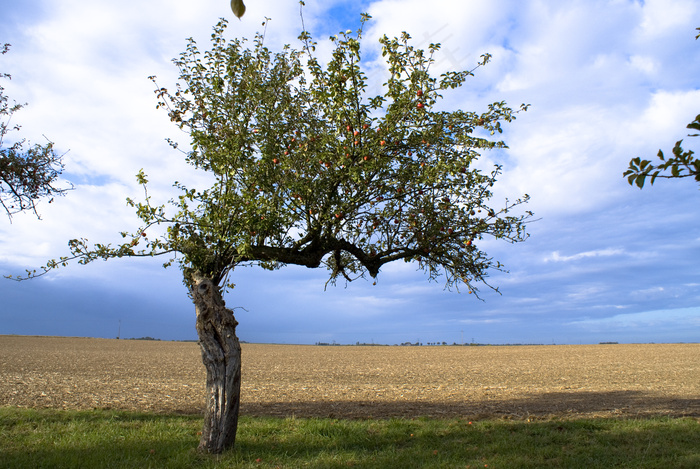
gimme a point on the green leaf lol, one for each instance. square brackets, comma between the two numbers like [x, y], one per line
[640, 180]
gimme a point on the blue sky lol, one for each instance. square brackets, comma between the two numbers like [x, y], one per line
[607, 81]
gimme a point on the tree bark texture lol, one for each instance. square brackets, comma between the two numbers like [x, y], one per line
[221, 355]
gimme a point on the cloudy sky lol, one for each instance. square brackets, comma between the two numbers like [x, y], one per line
[608, 80]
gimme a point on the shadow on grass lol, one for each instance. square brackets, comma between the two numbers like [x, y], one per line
[430, 443]
[105, 439]
[574, 404]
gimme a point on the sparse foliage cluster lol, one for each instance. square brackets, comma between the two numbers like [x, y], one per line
[28, 172]
[681, 165]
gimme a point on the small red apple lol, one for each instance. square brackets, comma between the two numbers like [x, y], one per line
[419, 93]
[356, 133]
[276, 160]
[382, 143]
[420, 105]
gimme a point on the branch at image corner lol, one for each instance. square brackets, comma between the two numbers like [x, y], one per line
[28, 173]
[681, 165]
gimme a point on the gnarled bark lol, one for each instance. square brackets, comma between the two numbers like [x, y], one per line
[221, 355]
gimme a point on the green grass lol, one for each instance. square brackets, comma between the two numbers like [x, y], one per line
[105, 439]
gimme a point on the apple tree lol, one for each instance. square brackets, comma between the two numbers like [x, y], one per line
[307, 169]
[28, 172]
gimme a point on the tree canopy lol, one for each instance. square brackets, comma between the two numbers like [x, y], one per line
[306, 169]
[28, 172]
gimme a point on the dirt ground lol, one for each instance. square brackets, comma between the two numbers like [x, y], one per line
[349, 381]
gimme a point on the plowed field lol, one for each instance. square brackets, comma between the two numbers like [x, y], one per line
[348, 381]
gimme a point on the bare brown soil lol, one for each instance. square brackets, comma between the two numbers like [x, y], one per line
[518, 382]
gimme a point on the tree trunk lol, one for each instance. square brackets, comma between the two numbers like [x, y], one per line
[221, 355]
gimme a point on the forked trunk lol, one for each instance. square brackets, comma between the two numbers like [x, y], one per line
[221, 355]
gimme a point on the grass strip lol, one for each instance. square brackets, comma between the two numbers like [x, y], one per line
[115, 439]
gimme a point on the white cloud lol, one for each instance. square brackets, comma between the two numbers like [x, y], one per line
[663, 16]
[650, 293]
[30, 242]
[683, 317]
[607, 80]
[585, 292]
[556, 257]
[663, 120]
[644, 64]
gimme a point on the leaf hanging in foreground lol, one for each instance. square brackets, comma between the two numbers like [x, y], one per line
[238, 8]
